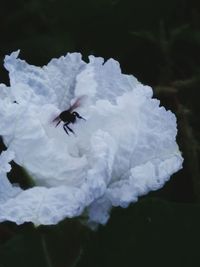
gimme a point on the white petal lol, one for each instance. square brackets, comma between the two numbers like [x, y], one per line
[7, 190]
[104, 81]
[42, 205]
[142, 179]
[62, 75]
[5, 158]
[99, 212]
[53, 83]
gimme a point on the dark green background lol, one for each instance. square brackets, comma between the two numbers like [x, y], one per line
[159, 43]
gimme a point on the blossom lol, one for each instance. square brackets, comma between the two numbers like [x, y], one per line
[125, 148]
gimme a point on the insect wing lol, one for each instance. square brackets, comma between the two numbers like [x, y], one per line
[56, 119]
[77, 103]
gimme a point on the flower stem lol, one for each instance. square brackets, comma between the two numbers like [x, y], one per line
[46, 253]
[74, 264]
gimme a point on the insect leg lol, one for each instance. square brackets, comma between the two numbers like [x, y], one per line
[65, 128]
[78, 116]
[58, 123]
[70, 129]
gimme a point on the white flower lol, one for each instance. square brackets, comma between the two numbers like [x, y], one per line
[125, 148]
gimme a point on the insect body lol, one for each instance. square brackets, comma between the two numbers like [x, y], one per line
[69, 116]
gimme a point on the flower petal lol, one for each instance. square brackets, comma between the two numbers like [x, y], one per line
[42, 205]
[7, 190]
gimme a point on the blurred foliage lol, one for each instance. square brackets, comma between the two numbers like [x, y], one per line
[150, 233]
[46, 246]
[159, 43]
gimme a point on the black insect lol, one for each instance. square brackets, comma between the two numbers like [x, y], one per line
[69, 116]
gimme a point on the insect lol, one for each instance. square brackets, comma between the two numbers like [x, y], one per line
[69, 116]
